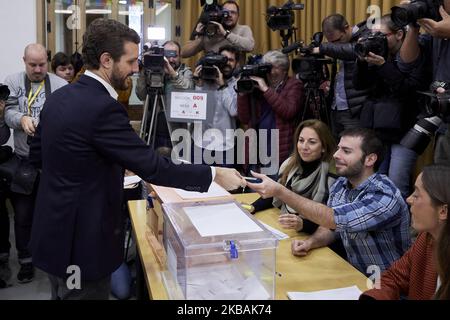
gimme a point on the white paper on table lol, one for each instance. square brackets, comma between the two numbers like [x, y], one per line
[220, 219]
[277, 233]
[214, 191]
[131, 180]
[349, 293]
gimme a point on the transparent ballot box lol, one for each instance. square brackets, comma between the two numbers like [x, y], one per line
[217, 251]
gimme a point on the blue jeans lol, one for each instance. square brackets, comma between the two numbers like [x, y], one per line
[121, 282]
[399, 165]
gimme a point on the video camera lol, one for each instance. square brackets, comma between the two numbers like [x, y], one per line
[437, 111]
[4, 92]
[375, 42]
[254, 68]
[153, 63]
[282, 18]
[403, 15]
[309, 67]
[212, 12]
[209, 61]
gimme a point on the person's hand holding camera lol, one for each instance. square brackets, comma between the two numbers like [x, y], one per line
[374, 59]
[220, 29]
[169, 69]
[439, 29]
[220, 79]
[199, 30]
[261, 84]
[28, 125]
[196, 76]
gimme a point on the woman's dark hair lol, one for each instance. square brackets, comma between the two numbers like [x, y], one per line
[60, 59]
[326, 138]
[106, 36]
[435, 181]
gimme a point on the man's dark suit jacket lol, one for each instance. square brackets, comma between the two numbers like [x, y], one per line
[83, 144]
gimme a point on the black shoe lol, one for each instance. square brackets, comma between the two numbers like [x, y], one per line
[26, 273]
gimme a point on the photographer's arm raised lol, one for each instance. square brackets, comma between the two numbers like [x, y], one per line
[192, 47]
[410, 50]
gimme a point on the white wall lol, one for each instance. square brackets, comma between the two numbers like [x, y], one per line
[17, 29]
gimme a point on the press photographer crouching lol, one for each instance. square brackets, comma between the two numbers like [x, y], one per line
[214, 138]
[428, 55]
[278, 101]
[391, 108]
[171, 75]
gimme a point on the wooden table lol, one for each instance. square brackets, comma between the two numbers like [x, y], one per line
[322, 269]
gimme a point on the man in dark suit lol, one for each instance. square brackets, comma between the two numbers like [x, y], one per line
[83, 144]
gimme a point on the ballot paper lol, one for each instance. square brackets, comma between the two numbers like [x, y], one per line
[223, 219]
[131, 181]
[223, 282]
[349, 293]
[214, 191]
[278, 234]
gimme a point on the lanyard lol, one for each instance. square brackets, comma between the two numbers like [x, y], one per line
[31, 99]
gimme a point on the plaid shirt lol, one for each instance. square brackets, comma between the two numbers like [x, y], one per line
[372, 220]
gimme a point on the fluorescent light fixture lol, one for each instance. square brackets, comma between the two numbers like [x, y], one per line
[64, 11]
[98, 11]
[156, 33]
[123, 2]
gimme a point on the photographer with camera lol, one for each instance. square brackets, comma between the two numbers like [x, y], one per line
[278, 102]
[211, 35]
[347, 101]
[177, 76]
[29, 91]
[428, 55]
[391, 108]
[215, 137]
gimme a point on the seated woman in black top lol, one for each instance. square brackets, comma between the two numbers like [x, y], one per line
[306, 172]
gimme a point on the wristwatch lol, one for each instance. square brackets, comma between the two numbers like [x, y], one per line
[227, 33]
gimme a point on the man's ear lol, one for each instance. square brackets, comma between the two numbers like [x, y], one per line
[106, 61]
[371, 159]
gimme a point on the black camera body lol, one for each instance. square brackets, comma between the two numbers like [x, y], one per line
[254, 68]
[375, 42]
[153, 63]
[282, 18]
[209, 62]
[417, 9]
[212, 12]
[4, 92]
[437, 111]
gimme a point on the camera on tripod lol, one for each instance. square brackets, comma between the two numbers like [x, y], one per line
[212, 12]
[282, 18]
[437, 111]
[254, 68]
[375, 42]
[209, 62]
[153, 63]
[403, 15]
[4, 92]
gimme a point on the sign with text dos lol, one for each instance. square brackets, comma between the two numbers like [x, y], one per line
[190, 106]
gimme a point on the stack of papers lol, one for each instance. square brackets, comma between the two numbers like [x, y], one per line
[350, 293]
[215, 191]
[131, 181]
[278, 234]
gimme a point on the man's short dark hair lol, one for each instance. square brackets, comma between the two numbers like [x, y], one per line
[232, 49]
[176, 43]
[334, 22]
[232, 2]
[106, 35]
[60, 59]
[370, 143]
[387, 20]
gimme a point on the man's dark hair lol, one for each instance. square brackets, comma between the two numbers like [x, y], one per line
[106, 35]
[232, 49]
[60, 59]
[174, 43]
[370, 143]
[232, 2]
[334, 22]
[387, 20]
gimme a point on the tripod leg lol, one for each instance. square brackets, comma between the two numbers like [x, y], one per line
[152, 123]
[143, 133]
[169, 126]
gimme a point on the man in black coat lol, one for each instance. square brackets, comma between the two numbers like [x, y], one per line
[83, 144]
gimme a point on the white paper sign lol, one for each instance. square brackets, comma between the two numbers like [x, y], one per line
[188, 106]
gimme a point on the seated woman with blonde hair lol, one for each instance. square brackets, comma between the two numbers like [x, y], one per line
[306, 172]
[424, 271]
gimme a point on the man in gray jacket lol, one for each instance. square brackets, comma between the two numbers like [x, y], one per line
[29, 91]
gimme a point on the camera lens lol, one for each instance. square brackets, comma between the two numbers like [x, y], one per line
[400, 16]
[419, 137]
